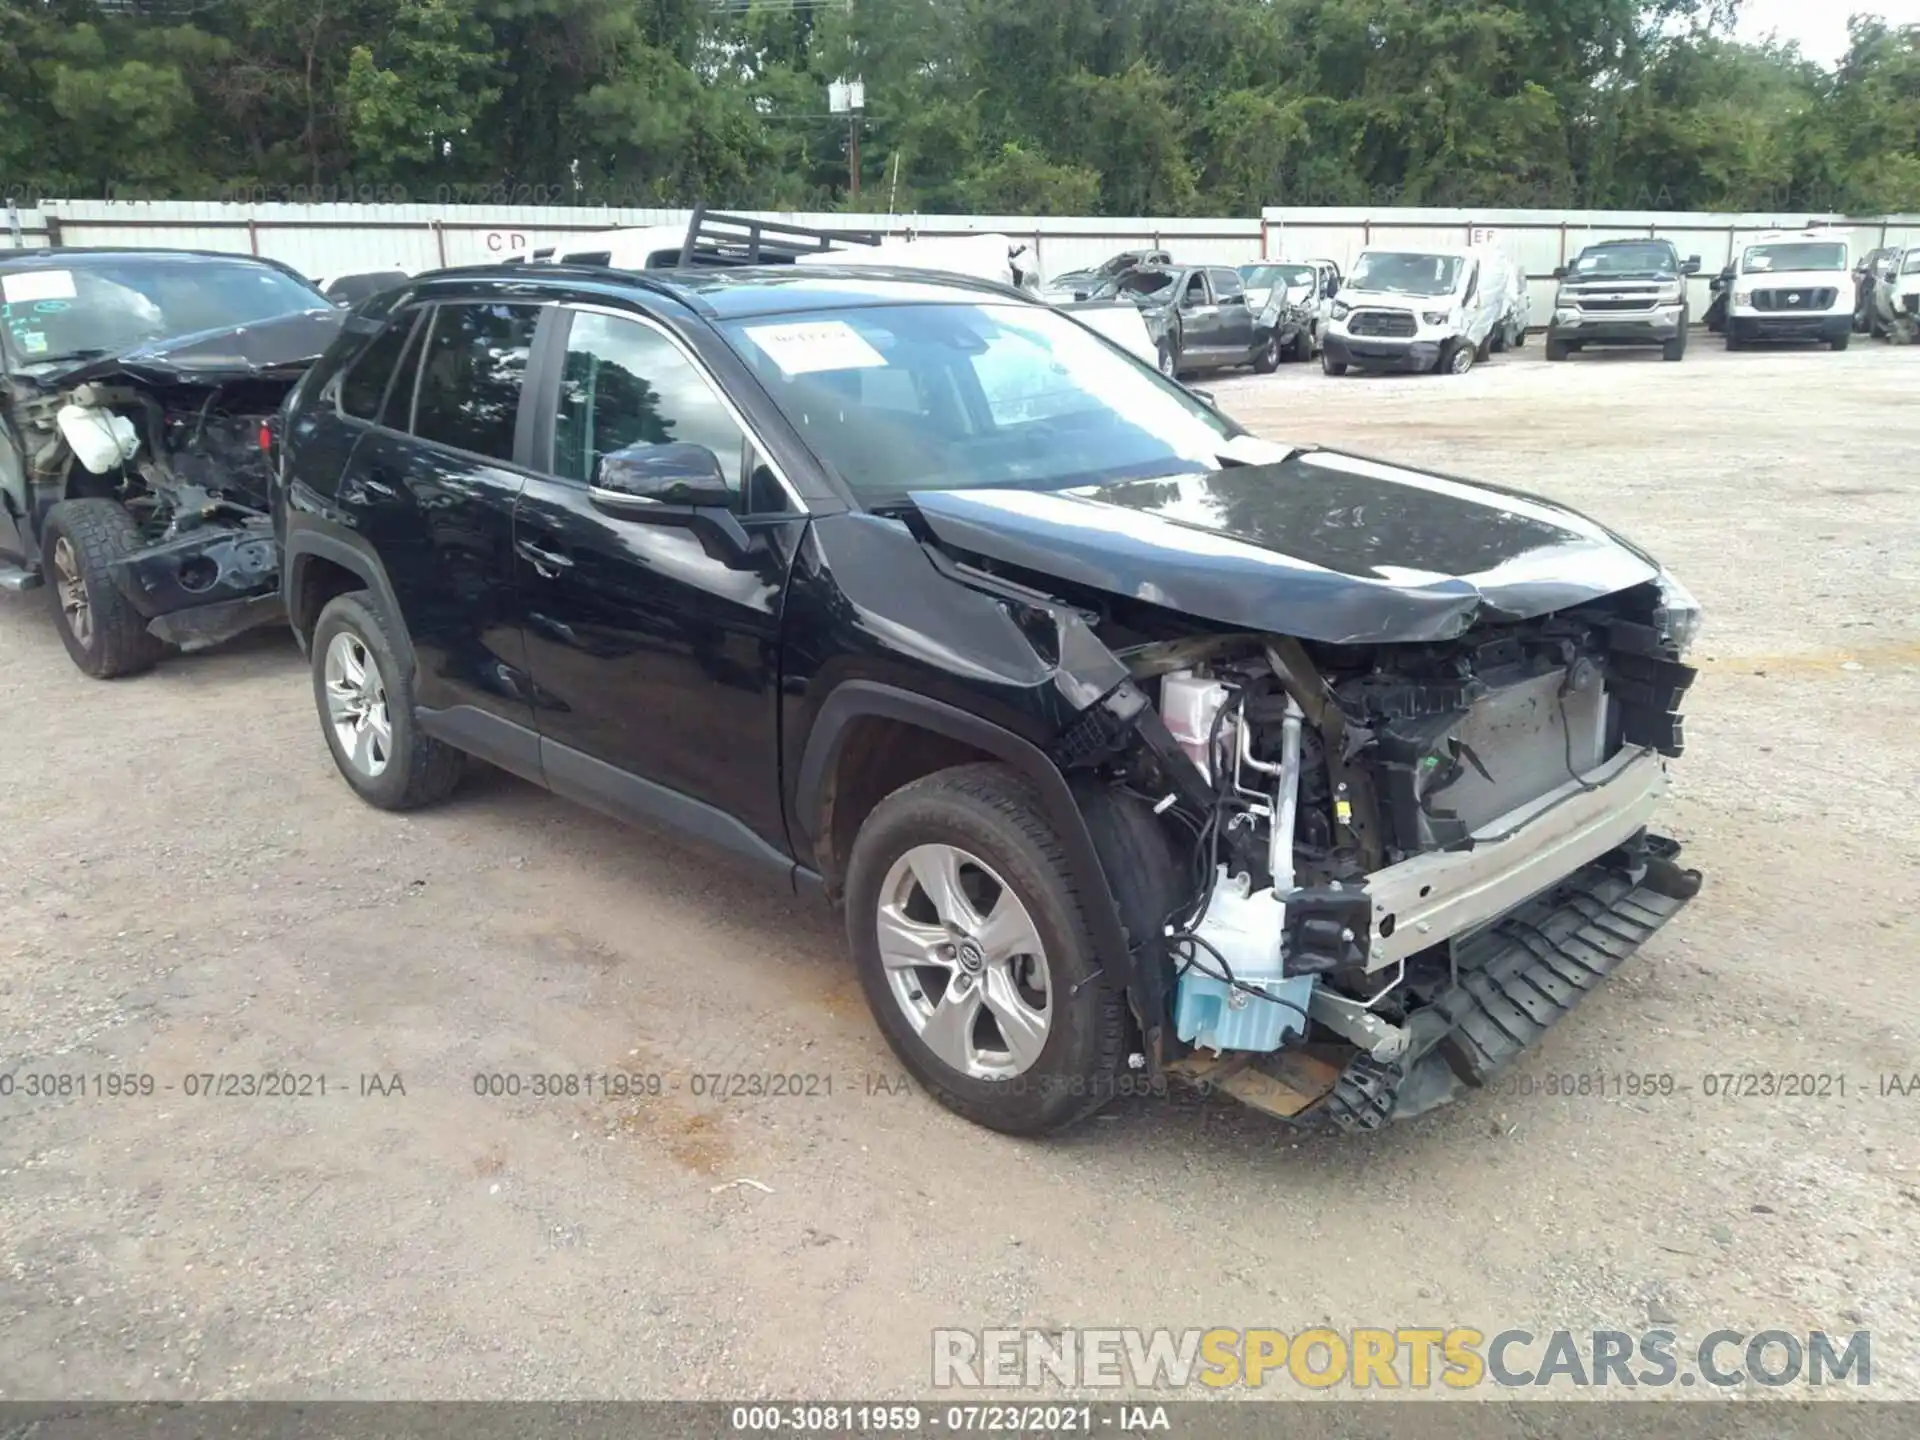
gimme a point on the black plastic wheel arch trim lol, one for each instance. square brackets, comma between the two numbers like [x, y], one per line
[855, 699]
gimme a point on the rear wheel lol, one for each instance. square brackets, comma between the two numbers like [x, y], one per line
[103, 633]
[1169, 360]
[365, 699]
[976, 958]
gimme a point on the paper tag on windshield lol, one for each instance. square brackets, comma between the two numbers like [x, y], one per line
[34, 342]
[815, 345]
[24, 286]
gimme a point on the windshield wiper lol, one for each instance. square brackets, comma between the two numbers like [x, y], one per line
[66, 356]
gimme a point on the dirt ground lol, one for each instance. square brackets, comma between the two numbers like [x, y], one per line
[189, 889]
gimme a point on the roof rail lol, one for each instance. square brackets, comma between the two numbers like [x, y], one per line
[715, 238]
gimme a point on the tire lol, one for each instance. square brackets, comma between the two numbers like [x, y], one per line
[1169, 360]
[1457, 358]
[1268, 360]
[1520, 337]
[416, 769]
[105, 636]
[1734, 342]
[984, 829]
[1484, 350]
[1675, 349]
[1330, 365]
[1839, 343]
[1497, 341]
[1558, 349]
[1302, 349]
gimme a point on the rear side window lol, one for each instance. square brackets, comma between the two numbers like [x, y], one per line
[397, 413]
[366, 379]
[470, 376]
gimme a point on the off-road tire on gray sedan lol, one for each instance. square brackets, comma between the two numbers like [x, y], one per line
[940, 975]
[103, 633]
[361, 690]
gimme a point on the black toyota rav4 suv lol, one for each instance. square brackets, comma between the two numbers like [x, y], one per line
[1133, 747]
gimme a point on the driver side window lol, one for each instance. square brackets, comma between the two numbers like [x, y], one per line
[624, 383]
[1196, 291]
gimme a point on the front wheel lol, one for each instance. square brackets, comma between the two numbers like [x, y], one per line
[365, 699]
[1268, 359]
[1458, 358]
[1734, 342]
[976, 959]
[1839, 342]
[1330, 365]
[104, 635]
[1558, 349]
[1674, 349]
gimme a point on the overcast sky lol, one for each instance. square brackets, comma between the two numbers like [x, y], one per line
[1819, 25]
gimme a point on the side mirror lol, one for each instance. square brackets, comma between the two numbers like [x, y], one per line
[1559, 272]
[1692, 267]
[653, 481]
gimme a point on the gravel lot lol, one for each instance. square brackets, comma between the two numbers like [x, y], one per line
[189, 888]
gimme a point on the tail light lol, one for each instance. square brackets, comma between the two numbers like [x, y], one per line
[266, 438]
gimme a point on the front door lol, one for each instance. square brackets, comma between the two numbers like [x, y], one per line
[653, 644]
[1199, 319]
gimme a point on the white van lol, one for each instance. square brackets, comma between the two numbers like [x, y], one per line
[1791, 287]
[1424, 309]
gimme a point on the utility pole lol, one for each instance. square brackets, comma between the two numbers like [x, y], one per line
[849, 97]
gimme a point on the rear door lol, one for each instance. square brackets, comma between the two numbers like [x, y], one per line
[1235, 316]
[432, 488]
[1200, 333]
[653, 644]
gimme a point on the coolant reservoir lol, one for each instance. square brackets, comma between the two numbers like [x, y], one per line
[102, 440]
[1190, 705]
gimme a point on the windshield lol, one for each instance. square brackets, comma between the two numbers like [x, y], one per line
[943, 397]
[50, 313]
[1796, 255]
[1409, 274]
[1144, 285]
[1912, 267]
[1626, 260]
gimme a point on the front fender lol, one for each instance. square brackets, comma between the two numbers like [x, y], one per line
[855, 699]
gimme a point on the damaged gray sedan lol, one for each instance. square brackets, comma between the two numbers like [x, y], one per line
[137, 390]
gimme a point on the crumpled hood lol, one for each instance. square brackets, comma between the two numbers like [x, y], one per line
[285, 343]
[1321, 545]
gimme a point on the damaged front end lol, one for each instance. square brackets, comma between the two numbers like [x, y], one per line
[1404, 859]
[188, 456]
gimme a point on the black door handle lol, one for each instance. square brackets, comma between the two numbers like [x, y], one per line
[547, 563]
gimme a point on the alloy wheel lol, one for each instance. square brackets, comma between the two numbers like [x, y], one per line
[72, 589]
[357, 705]
[965, 962]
